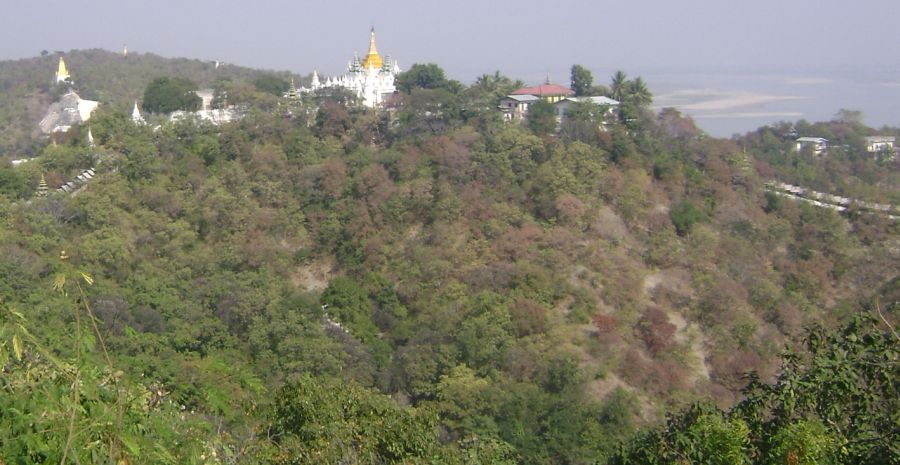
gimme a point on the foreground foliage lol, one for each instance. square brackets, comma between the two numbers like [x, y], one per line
[836, 402]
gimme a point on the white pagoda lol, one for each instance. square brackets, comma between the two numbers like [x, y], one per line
[136, 116]
[371, 79]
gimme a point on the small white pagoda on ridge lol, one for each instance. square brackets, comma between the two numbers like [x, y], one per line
[136, 116]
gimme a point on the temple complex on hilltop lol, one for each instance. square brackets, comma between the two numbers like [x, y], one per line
[370, 78]
[70, 109]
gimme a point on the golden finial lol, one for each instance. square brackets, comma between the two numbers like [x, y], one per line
[373, 59]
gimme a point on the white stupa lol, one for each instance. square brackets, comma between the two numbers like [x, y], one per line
[371, 79]
[136, 116]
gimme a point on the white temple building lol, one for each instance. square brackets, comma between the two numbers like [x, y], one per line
[371, 79]
[209, 114]
[136, 116]
[70, 109]
[67, 112]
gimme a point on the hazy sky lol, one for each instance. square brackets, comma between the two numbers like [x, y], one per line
[524, 37]
[667, 41]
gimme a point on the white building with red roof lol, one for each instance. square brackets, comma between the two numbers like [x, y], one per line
[515, 106]
[547, 91]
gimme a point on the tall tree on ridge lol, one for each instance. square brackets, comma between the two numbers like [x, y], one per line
[638, 92]
[582, 80]
[619, 85]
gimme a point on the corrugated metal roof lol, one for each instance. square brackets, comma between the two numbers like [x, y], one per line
[522, 98]
[599, 100]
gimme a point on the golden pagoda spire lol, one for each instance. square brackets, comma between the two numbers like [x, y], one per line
[292, 92]
[372, 49]
[373, 59]
[42, 187]
[62, 73]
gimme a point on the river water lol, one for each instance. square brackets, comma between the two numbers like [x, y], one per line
[729, 102]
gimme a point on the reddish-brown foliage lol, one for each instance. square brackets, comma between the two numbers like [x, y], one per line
[569, 209]
[514, 243]
[333, 177]
[605, 324]
[374, 185]
[528, 316]
[655, 330]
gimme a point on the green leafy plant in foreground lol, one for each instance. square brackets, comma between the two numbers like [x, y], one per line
[80, 409]
[836, 403]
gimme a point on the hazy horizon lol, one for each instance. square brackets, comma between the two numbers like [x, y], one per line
[789, 59]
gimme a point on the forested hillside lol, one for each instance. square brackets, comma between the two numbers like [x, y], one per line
[322, 283]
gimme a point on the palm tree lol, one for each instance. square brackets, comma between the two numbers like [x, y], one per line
[488, 82]
[496, 83]
[639, 93]
[619, 86]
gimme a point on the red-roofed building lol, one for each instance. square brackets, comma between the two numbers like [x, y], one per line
[549, 92]
[515, 106]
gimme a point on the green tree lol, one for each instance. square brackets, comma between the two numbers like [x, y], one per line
[701, 435]
[582, 80]
[12, 184]
[836, 403]
[684, 215]
[271, 84]
[167, 94]
[316, 421]
[619, 85]
[542, 117]
[432, 111]
[806, 442]
[77, 407]
[587, 112]
[349, 303]
[638, 93]
[422, 76]
[496, 83]
[841, 395]
[844, 115]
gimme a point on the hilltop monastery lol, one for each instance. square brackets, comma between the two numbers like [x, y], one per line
[70, 109]
[370, 78]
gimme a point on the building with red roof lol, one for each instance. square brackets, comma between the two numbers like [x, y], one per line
[549, 92]
[515, 106]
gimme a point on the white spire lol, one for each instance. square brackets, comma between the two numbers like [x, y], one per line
[315, 84]
[136, 117]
